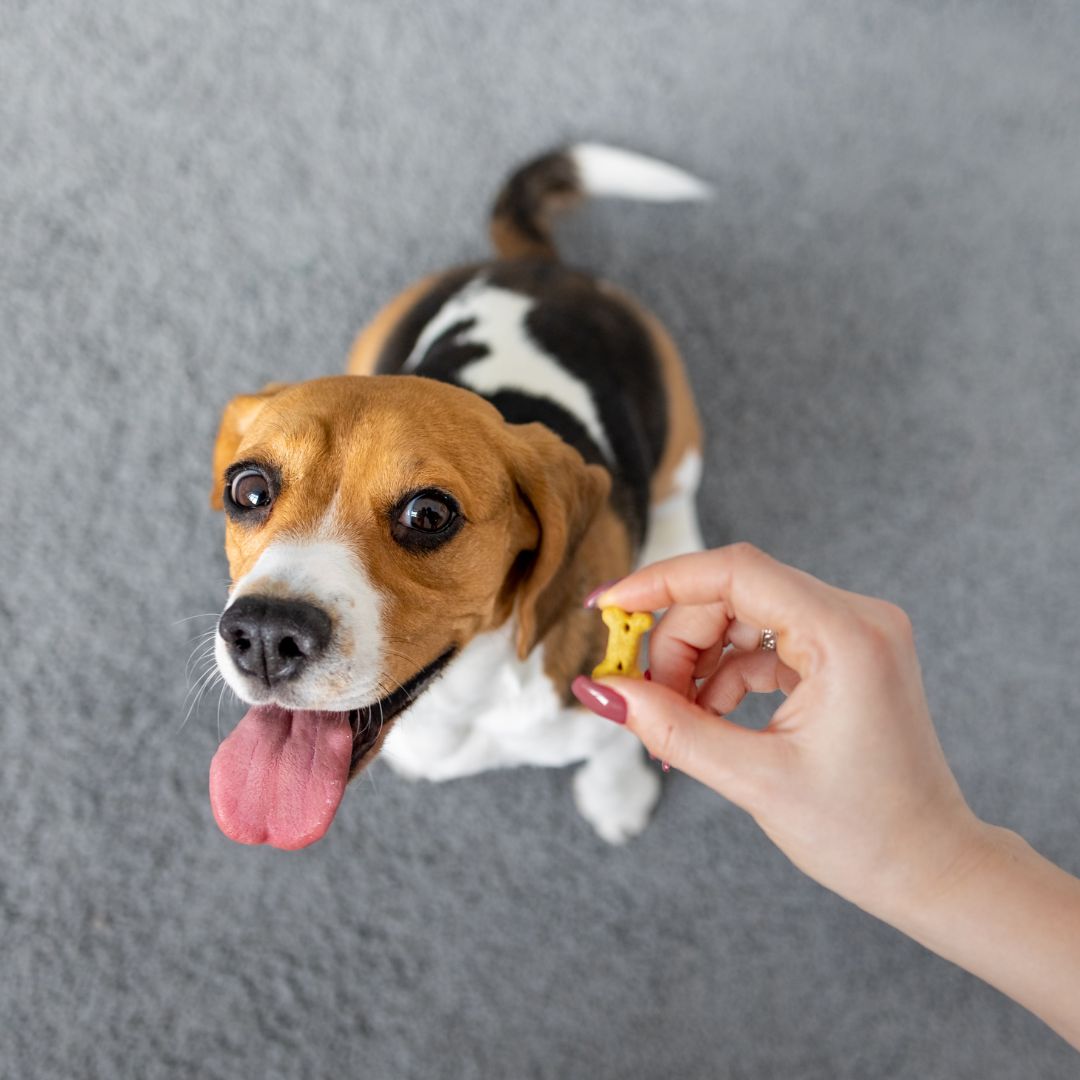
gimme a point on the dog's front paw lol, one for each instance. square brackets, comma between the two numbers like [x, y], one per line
[615, 791]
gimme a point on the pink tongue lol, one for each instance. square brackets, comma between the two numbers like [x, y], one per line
[278, 778]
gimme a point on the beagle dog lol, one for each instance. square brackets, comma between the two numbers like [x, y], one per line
[410, 543]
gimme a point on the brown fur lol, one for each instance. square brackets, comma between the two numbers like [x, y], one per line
[235, 420]
[576, 642]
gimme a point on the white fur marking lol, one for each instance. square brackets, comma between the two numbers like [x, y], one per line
[325, 572]
[609, 171]
[459, 308]
[514, 362]
[489, 710]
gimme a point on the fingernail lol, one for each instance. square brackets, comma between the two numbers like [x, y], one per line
[600, 699]
[590, 600]
[647, 676]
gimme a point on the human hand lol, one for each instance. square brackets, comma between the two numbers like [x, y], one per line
[848, 779]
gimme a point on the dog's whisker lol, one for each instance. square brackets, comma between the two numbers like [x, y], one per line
[385, 691]
[391, 651]
[371, 773]
[206, 680]
[210, 685]
[226, 689]
[202, 643]
[207, 666]
[205, 676]
[399, 685]
[221, 695]
[199, 667]
[204, 649]
[201, 615]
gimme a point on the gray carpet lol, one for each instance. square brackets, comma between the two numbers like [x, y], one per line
[880, 315]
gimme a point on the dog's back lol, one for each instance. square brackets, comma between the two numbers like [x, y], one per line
[547, 343]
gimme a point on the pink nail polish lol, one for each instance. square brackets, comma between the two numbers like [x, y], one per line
[590, 600]
[665, 766]
[600, 699]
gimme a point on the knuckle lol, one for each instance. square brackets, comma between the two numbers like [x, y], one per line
[899, 622]
[892, 621]
[661, 741]
[885, 632]
[875, 638]
[808, 652]
[743, 550]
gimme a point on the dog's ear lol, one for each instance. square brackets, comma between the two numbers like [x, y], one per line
[560, 496]
[235, 420]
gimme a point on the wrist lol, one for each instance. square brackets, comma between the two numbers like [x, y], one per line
[930, 869]
[1009, 916]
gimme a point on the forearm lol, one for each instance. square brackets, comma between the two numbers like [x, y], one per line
[1013, 919]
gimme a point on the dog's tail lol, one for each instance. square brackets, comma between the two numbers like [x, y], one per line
[521, 218]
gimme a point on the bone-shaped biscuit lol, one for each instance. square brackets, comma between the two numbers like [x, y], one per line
[625, 631]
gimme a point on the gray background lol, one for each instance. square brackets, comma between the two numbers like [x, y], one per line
[880, 315]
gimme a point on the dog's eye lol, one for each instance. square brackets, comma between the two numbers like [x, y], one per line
[428, 513]
[425, 520]
[250, 490]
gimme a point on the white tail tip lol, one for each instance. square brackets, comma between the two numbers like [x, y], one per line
[622, 174]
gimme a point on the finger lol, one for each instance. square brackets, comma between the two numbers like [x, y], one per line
[708, 660]
[758, 590]
[742, 673]
[744, 636]
[735, 761]
[685, 634]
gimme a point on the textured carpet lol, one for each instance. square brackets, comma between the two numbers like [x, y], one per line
[879, 310]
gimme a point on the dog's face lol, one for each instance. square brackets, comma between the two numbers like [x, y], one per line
[374, 526]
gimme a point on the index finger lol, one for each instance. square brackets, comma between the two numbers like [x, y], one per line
[757, 589]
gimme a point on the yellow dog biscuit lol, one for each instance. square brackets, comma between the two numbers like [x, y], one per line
[624, 642]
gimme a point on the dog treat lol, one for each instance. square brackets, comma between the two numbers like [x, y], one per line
[625, 630]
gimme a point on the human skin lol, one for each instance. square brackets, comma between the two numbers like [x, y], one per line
[848, 779]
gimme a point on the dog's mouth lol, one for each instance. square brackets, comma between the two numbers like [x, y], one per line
[371, 724]
[279, 777]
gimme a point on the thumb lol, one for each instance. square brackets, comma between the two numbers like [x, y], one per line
[733, 760]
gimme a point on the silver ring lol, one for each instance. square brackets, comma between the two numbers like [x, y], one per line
[768, 640]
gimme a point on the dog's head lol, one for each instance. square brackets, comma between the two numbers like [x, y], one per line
[374, 526]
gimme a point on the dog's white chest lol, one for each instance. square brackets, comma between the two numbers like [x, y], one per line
[489, 710]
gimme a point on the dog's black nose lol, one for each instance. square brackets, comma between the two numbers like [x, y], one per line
[274, 640]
